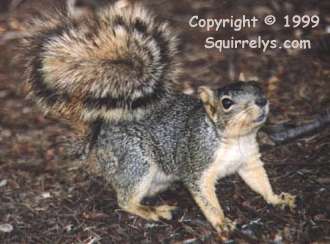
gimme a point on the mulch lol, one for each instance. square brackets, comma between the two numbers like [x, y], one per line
[47, 198]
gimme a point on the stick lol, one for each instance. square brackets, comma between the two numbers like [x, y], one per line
[283, 133]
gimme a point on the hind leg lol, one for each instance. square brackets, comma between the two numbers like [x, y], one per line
[128, 160]
[157, 213]
[130, 201]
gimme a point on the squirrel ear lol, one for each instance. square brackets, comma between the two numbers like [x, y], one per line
[208, 98]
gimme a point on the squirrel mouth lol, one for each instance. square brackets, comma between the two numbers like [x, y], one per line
[261, 118]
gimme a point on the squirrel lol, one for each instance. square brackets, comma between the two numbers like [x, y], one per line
[119, 67]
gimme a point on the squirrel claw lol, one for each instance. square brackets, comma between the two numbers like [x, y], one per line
[287, 199]
[225, 227]
[165, 211]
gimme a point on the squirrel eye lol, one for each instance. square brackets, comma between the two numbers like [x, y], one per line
[226, 103]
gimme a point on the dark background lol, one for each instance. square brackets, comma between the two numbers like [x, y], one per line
[49, 199]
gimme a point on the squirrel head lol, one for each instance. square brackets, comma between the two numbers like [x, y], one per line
[236, 109]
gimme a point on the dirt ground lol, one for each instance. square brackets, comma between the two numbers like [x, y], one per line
[47, 198]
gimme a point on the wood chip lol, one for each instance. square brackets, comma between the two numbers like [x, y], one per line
[6, 228]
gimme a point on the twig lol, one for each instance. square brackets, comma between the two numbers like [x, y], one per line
[286, 132]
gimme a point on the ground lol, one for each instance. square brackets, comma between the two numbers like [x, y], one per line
[47, 198]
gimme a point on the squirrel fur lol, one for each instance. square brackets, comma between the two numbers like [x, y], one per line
[119, 66]
[115, 64]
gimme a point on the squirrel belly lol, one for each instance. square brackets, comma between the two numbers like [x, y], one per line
[113, 65]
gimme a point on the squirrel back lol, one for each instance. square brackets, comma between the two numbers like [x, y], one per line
[115, 64]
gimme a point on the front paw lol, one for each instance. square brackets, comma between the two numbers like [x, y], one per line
[285, 199]
[225, 227]
[288, 200]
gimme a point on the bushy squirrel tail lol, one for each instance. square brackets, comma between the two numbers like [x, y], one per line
[113, 65]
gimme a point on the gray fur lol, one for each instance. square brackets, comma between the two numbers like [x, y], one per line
[180, 140]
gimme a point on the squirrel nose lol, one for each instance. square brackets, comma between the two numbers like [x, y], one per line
[261, 102]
